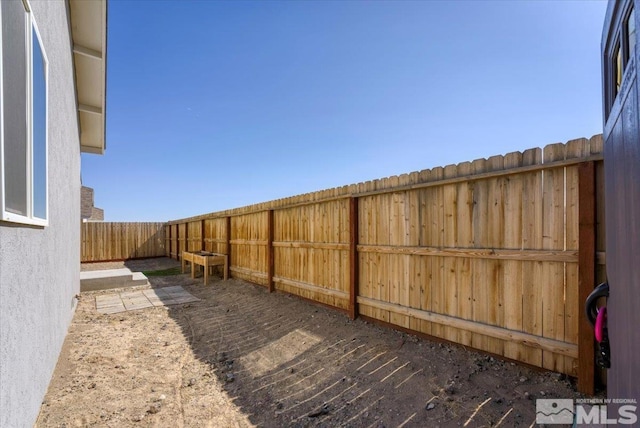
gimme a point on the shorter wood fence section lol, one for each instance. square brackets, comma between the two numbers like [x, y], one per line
[106, 241]
[496, 254]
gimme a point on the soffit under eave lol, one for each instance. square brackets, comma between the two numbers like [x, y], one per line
[89, 37]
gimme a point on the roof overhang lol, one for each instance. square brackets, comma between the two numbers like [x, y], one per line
[89, 37]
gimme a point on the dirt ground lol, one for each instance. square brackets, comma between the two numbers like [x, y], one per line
[243, 357]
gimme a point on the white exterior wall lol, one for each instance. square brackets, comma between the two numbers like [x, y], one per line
[40, 267]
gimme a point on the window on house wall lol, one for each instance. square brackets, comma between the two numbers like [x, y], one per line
[619, 56]
[619, 68]
[23, 117]
[631, 33]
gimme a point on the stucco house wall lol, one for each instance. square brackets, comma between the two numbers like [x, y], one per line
[40, 266]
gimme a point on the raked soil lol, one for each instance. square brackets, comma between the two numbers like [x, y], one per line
[243, 357]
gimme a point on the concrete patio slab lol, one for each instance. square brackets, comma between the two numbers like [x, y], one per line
[141, 299]
[154, 298]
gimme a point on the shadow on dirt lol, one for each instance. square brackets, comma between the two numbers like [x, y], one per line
[287, 362]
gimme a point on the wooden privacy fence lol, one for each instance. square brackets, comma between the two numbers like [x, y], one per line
[105, 241]
[497, 254]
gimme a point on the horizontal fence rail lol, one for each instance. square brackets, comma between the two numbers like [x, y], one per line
[495, 254]
[109, 241]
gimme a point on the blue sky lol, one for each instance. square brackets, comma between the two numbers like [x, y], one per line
[214, 105]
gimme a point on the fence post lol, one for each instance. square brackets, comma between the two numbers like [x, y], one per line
[174, 240]
[168, 234]
[178, 241]
[228, 227]
[353, 258]
[186, 237]
[202, 243]
[270, 252]
[586, 274]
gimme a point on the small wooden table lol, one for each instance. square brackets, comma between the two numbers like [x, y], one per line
[206, 260]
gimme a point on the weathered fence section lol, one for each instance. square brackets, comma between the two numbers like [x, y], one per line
[496, 254]
[107, 241]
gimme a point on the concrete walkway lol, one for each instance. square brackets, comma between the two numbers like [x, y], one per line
[140, 299]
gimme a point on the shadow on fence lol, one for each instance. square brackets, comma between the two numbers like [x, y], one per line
[110, 241]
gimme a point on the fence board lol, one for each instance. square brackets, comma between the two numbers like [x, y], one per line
[495, 239]
[480, 279]
[413, 270]
[513, 231]
[449, 229]
[553, 238]
[436, 239]
[532, 239]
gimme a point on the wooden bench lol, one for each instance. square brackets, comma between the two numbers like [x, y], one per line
[206, 260]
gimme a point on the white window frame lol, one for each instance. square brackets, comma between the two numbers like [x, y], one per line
[30, 218]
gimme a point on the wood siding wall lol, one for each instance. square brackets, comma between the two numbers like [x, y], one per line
[483, 253]
[107, 241]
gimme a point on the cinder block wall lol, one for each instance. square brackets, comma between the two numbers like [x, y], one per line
[86, 201]
[88, 211]
[97, 214]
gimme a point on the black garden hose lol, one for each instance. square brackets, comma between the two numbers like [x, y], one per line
[601, 290]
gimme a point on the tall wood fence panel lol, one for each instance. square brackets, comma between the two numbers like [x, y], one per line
[500, 252]
[216, 238]
[249, 247]
[495, 254]
[194, 236]
[311, 244]
[108, 241]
